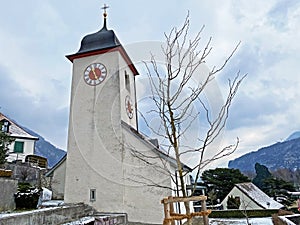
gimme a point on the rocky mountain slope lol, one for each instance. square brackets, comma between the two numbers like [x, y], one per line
[280, 155]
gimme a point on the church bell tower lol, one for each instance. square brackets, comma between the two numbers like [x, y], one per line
[102, 98]
[100, 60]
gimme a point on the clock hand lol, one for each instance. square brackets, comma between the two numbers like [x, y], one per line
[96, 77]
[129, 107]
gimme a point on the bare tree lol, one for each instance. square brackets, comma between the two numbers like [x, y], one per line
[240, 204]
[24, 172]
[212, 196]
[178, 100]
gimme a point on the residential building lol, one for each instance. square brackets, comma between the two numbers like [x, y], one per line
[251, 198]
[23, 144]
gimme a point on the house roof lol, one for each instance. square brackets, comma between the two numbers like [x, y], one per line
[258, 196]
[141, 137]
[16, 130]
[61, 161]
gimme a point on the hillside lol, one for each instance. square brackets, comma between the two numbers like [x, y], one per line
[46, 149]
[280, 155]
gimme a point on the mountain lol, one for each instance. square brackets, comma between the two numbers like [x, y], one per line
[280, 155]
[46, 149]
[294, 135]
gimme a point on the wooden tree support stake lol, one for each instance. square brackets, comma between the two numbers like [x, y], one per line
[171, 216]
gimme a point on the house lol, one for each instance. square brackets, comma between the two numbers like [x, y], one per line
[251, 198]
[24, 143]
[56, 179]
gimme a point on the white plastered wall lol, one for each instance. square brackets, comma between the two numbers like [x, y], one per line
[145, 184]
[246, 202]
[94, 136]
[58, 181]
[28, 150]
[99, 149]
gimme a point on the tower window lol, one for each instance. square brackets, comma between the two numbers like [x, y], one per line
[127, 81]
[92, 195]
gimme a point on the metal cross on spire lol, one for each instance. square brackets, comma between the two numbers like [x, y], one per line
[104, 8]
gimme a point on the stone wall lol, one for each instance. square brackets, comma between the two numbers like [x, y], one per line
[25, 172]
[48, 216]
[8, 188]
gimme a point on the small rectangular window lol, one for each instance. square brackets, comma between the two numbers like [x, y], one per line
[5, 126]
[19, 147]
[92, 195]
[127, 81]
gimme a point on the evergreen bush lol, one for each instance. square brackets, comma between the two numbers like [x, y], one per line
[27, 196]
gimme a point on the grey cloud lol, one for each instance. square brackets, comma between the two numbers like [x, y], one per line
[249, 110]
[40, 117]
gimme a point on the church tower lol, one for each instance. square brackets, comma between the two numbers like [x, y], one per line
[101, 62]
[100, 165]
[102, 95]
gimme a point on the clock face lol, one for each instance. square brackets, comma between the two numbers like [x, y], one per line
[129, 107]
[95, 74]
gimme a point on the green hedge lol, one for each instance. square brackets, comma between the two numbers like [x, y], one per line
[239, 213]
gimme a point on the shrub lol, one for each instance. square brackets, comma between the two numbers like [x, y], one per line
[24, 187]
[27, 197]
[233, 202]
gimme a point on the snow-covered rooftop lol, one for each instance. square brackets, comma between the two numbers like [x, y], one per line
[15, 130]
[258, 196]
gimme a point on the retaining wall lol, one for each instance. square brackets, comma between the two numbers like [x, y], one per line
[48, 216]
[8, 188]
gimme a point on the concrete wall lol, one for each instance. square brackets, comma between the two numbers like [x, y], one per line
[49, 216]
[8, 188]
[24, 172]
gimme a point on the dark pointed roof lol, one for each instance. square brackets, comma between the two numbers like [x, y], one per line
[103, 39]
[100, 42]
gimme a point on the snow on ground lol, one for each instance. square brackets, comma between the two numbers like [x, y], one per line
[84, 220]
[253, 221]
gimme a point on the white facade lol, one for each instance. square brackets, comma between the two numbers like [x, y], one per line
[56, 179]
[103, 168]
[251, 198]
[28, 149]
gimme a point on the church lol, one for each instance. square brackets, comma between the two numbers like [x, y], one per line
[110, 165]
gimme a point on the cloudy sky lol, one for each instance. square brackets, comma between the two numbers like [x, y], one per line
[35, 76]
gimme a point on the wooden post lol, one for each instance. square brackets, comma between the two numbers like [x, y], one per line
[203, 208]
[171, 205]
[170, 215]
[167, 211]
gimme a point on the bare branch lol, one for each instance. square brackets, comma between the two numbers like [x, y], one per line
[179, 102]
